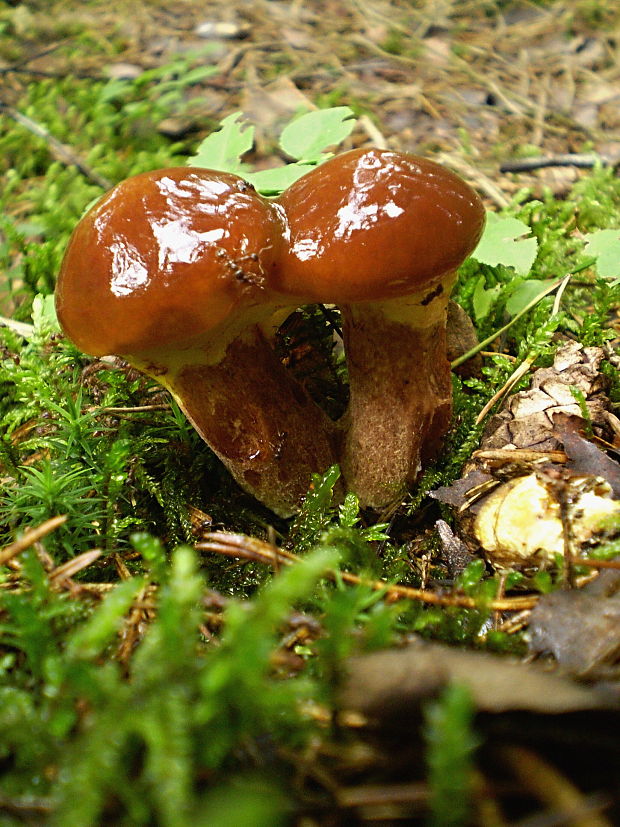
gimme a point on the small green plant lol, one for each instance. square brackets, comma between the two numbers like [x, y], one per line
[305, 139]
[179, 714]
[451, 744]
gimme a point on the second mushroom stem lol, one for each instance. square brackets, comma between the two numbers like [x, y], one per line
[401, 391]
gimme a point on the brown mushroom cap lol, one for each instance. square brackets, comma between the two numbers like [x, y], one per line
[164, 257]
[373, 224]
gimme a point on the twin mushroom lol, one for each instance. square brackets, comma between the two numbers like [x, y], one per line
[187, 274]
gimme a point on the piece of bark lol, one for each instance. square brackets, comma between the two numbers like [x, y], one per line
[461, 337]
[454, 552]
[392, 682]
[585, 458]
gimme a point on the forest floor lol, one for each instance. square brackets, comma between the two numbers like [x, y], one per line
[290, 703]
[478, 85]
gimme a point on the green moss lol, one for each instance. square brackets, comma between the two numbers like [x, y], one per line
[203, 701]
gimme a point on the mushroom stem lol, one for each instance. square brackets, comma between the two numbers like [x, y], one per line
[400, 394]
[255, 416]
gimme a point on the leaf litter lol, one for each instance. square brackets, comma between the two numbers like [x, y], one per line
[482, 80]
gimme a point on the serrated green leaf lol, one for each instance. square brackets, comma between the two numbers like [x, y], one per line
[274, 181]
[523, 294]
[222, 150]
[605, 245]
[44, 317]
[502, 243]
[483, 298]
[349, 511]
[307, 137]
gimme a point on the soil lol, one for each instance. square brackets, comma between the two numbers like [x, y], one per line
[476, 85]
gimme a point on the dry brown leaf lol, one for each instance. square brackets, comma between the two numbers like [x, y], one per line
[581, 629]
[393, 682]
[527, 419]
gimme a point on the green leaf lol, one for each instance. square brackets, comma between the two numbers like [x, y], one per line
[44, 316]
[502, 243]
[451, 742]
[349, 511]
[483, 299]
[307, 137]
[523, 294]
[605, 245]
[317, 510]
[222, 150]
[198, 74]
[274, 181]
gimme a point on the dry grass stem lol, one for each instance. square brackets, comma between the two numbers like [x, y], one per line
[250, 548]
[30, 537]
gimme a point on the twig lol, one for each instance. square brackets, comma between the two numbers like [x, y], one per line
[73, 566]
[512, 380]
[135, 409]
[30, 537]
[250, 548]
[519, 455]
[581, 160]
[30, 58]
[141, 611]
[597, 564]
[60, 151]
[333, 322]
[375, 135]
[475, 176]
[27, 807]
[558, 296]
[374, 795]
[554, 790]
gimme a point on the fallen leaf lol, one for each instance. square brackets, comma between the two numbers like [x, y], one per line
[457, 494]
[584, 456]
[581, 629]
[389, 683]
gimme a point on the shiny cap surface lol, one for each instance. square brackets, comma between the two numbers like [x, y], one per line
[164, 257]
[373, 224]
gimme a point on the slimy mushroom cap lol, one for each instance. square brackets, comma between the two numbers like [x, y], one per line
[164, 257]
[373, 224]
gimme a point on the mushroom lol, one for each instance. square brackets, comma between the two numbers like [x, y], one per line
[381, 234]
[173, 271]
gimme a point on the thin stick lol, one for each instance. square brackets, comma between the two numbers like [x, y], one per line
[75, 565]
[475, 176]
[135, 409]
[30, 537]
[60, 151]
[375, 135]
[522, 455]
[581, 160]
[21, 328]
[597, 564]
[568, 804]
[493, 336]
[250, 548]
[512, 380]
[558, 296]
